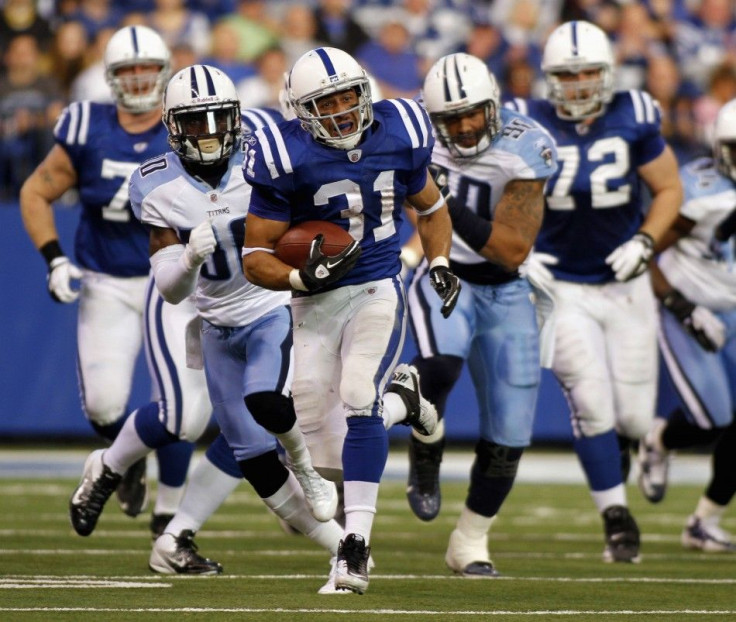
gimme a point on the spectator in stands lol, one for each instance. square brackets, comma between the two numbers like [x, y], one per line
[262, 89]
[224, 53]
[178, 24]
[337, 27]
[487, 42]
[97, 15]
[91, 84]
[21, 17]
[68, 53]
[721, 88]
[256, 30]
[391, 61]
[29, 105]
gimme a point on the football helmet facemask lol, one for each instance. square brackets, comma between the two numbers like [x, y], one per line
[572, 48]
[202, 114]
[456, 85]
[132, 46]
[322, 72]
[724, 140]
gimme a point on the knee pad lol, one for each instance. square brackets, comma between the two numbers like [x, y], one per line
[273, 411]
[437, 375]
[265, 473]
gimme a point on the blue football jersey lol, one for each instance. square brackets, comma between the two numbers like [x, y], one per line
[109, 238]
[594, 201]
[296, 179]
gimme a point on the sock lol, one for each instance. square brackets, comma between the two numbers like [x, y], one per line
[364, 450]
[360, 507]
[473, 525]
[296, 448]
[168, 499]
[394, 410]
[206, 491]
[601, 461]
[127, 448]
[722, 486]
[604, 499]
[289, 504]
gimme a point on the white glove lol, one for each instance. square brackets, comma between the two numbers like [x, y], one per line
[632, 257]
[61, 274]
[713, 330]
[536, 271]
[201, 245]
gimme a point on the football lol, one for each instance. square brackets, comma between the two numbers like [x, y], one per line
[293, 247]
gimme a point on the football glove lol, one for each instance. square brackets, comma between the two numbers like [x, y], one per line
[632, 257]
[321, 270]
[705, 327]
[202, 243]
[536, 271]
[61, 274]
[447, 286]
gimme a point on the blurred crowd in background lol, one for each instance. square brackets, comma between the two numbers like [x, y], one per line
[683, 52]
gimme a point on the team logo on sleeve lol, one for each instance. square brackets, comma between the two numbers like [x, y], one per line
[354, 155]
[545, 152]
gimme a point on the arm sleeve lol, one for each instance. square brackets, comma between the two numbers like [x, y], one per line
[173, 278]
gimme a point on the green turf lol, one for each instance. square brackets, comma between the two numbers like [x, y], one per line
[547, 543]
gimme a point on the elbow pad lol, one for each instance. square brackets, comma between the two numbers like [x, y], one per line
[174, 280]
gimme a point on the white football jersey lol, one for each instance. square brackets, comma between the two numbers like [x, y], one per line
[164, 195]
[523, 150]
[690, 265]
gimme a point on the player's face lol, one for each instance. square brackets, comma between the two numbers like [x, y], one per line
[138, 79]
[465, 130]
[343, 102]
[204, 125]
[581, 86]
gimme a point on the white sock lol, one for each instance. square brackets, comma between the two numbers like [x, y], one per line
[473, 525]
[127, 448]
[289, 504]
[168, 498]
[394, 410]
[295, 446]
[207, 489]
[604, 499]
[360, 507]
[709, 512]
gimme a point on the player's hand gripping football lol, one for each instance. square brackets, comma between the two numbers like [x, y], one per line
[632, 257]
[202, 243]
[321, 270]
[447, 286]
[705, 327]
[61, 274]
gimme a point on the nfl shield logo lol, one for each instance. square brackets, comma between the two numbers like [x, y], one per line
[140, 147]
[213, 197]
[354, 155]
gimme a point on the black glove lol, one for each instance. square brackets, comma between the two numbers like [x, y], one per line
[321, 270]
[700, 323]
[447, 286]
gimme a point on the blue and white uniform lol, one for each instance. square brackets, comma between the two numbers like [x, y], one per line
[119, 304]
[605, 355]
[704, 380]
[493, 326]
[346, 340]
[246, 331]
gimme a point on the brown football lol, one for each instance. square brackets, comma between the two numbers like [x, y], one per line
[293, 247]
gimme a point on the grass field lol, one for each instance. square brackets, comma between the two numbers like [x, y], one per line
[547, 543]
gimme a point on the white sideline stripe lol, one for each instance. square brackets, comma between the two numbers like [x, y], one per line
[393, 612]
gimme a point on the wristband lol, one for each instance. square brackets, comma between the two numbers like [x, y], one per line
[50, 251]
[439, 261]
[295, 280]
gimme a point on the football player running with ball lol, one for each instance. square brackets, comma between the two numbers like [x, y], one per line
[350, 161]
[592, 253]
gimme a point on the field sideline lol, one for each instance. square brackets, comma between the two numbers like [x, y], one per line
[547, 543]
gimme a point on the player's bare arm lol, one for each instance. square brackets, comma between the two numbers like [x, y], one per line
[435, 228]
[662, 177]
[516, 222]
[260, 266]
[51, 179]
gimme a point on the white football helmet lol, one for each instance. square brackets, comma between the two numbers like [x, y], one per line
[455, 85]
[325, 71]
[137, 45]
[571, 48]
[724, 140]
[202, 114]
